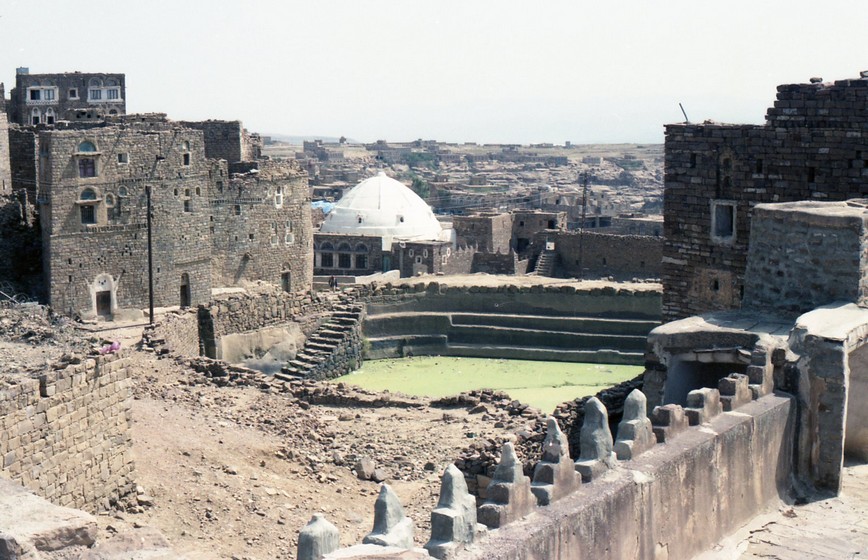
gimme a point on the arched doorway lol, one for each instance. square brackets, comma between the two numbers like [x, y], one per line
[286, 278]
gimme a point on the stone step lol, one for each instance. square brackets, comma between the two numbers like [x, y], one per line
[332, 334]
[319, 346]
[338, 327]
[300, 365]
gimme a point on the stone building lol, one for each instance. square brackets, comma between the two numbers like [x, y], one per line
[215, 222]
[488, 232]
[527, 223]
[358, 235]
[73, 96]
[812, 147]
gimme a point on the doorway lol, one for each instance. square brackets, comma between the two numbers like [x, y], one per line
[186, 297]
[286, 281]
[104, 304]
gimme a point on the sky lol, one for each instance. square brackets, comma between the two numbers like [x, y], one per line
[602, 71]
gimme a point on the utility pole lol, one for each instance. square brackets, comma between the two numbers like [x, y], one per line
[584, 179]
[150, 261]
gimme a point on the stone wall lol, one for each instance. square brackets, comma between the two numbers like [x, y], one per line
[66, 434]
[641, 511]
[239, 313]
[227, 140]
[5, 162]
[620, 256]
[177, 332]
[489, 233]
[22, 160]
[811, 148]
[806, 254]
[497, 263]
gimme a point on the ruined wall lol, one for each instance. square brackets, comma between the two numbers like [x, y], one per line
[22, 156]
[227, 140]
[496, 263]
[812, 148]
[620, 256]
[488, 232]
[239, 313]
[66, 435]
[642, 511]
[261, 227]
[177, 332]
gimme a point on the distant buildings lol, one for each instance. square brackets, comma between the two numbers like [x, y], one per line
[71, 96]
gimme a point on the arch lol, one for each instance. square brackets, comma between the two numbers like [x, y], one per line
[86, 146]
[185, 145]
[344, 247]
[327, 246]
[88, 194]
[35, 116]
[113, 112]
[49, 116]
[122, 192]
[94, 82]
[361, 248]
[109, 200]
[111, 82]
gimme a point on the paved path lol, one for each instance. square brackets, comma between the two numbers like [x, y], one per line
[832, 528]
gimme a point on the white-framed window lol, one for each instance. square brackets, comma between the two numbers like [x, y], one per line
[94, 94]
[723, 221]
[278, 197]
[73, 93]
[41, 95]
[289, 238]
[112, 93]
[425, 253]
[123, 157]
[410, 252]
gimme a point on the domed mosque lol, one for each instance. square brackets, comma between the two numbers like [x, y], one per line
[380, 225]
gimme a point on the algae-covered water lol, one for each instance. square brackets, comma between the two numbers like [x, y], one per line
[540, 384]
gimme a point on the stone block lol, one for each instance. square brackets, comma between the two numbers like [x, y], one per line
[509, 495]
[702, 405]
[317, 538]
[734, 391]
[635, 432]
[595, 441]
[668, 420]
[453, 521]
[391, 526]
[555, 475]
[761, 380]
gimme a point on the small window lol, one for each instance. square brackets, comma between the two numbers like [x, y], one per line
[278, 197]
[122, 192]
[186, 159]
[123, 158]
[758, 166]
[327, 260]
[73, 93]
[425, 253]
[418, 260]
[344, 260]
[692, 161]
[87, 194]
[251, 236]
[188, 207]
[110, 200]
[410, 252]
[237, 209]
[219, 186]
[361, 261]
[35, 94]
[289, 238]
[113, 93]
[86, 147]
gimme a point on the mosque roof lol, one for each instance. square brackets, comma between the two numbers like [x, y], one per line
[383, 207]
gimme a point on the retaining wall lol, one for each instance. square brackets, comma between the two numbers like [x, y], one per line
[674, 501]
[66, 434]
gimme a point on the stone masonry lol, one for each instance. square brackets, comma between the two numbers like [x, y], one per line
[66, 434]
[812, 147]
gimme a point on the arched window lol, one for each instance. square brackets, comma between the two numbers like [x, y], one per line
[344, 247]
[87, 194]
[49, 116]
[327, 246]
[87, 204]
[111, 82]
[361, 248]
[35, 116]
[95, 82]
[122, 192]
[86, 146]
[109, 200]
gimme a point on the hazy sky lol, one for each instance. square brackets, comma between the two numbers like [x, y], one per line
[452, 70]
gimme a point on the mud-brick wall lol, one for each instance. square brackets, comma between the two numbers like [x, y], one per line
[66, 434]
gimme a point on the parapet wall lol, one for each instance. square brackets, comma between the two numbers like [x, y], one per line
[604, 254]
[66, 434]
[675, 501]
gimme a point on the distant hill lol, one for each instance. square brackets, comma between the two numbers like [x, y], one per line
[293, 139]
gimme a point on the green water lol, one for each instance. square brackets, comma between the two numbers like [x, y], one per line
[540, 384]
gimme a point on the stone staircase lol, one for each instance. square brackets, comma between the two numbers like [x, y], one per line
[334, 348]
[545, 264]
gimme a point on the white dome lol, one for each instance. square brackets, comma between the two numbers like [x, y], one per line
[383, 207]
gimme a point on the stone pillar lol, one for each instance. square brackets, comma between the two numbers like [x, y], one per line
[453, 521]
[391, 526]
[555, 475]
[318, 538]
[595, 439]
[734, 391]
[509, 495]
[702, 405]
[668, 421]
[635, 433]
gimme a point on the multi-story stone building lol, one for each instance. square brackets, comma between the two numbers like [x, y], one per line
[72, 96]
[214, 222]
[814, 146]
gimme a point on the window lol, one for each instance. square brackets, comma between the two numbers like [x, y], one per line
[88, 214]
[251, 236]
[73, 93]
[186, 159]
[289, 238]
[35, 117]
[87, 147]
[49, 116]
[361, 261]
[418, 260]
[109, 200]
[327, 260]
[237, 209]
[278, 197]
[35, 94]
[112, 93]
[722, 221]
[410, 252]
[123, 158]
[94, 94]
[344, 260]
[187, 205]
[86, 167]
[87, 194]
[122, 191]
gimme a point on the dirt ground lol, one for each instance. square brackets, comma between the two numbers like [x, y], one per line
[236, 473]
